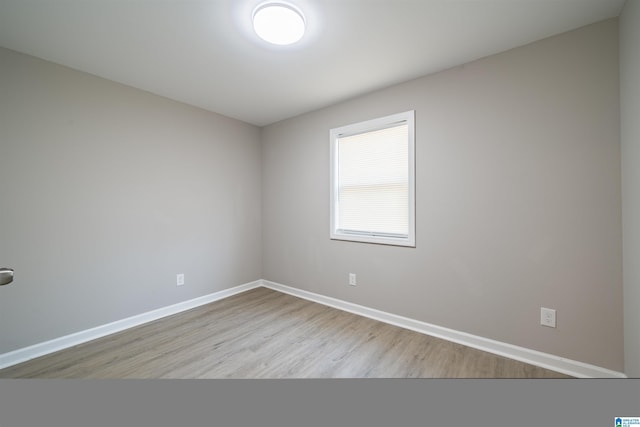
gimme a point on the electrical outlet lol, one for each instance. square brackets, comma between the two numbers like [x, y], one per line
[352, 279]
[547, 317]
[179, 279]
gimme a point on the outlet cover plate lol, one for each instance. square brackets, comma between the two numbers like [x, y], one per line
[352, 279]
[547, 317]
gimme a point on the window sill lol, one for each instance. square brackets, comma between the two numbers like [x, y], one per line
[378, 240]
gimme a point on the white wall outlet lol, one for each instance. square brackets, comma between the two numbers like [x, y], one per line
[352, 279]
[179, 279]
[547, 317]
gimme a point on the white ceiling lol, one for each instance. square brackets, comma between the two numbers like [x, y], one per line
[204, 52]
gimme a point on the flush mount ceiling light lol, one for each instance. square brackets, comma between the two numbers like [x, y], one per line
[278, 22]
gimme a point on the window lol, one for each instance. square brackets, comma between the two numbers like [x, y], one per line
[372, 181]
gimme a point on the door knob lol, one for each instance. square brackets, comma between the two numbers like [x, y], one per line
[6, 276]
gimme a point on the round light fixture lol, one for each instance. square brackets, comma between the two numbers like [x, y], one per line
[278, 22]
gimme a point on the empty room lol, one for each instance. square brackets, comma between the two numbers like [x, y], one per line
[320, 189]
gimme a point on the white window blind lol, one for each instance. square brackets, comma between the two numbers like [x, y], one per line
[372, 181]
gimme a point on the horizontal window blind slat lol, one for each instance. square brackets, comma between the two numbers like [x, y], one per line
[372, 234]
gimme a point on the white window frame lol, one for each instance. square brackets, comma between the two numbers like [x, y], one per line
[407, 117]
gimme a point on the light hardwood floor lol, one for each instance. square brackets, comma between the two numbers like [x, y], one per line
[267, 334]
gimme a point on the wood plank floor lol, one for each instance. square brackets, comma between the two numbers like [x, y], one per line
[262, 333]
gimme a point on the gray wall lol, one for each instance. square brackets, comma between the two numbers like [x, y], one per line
[518, 200]
[107, 192]
[630, 137]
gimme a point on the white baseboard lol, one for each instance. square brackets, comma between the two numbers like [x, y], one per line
[533, 357]
[41, 349]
